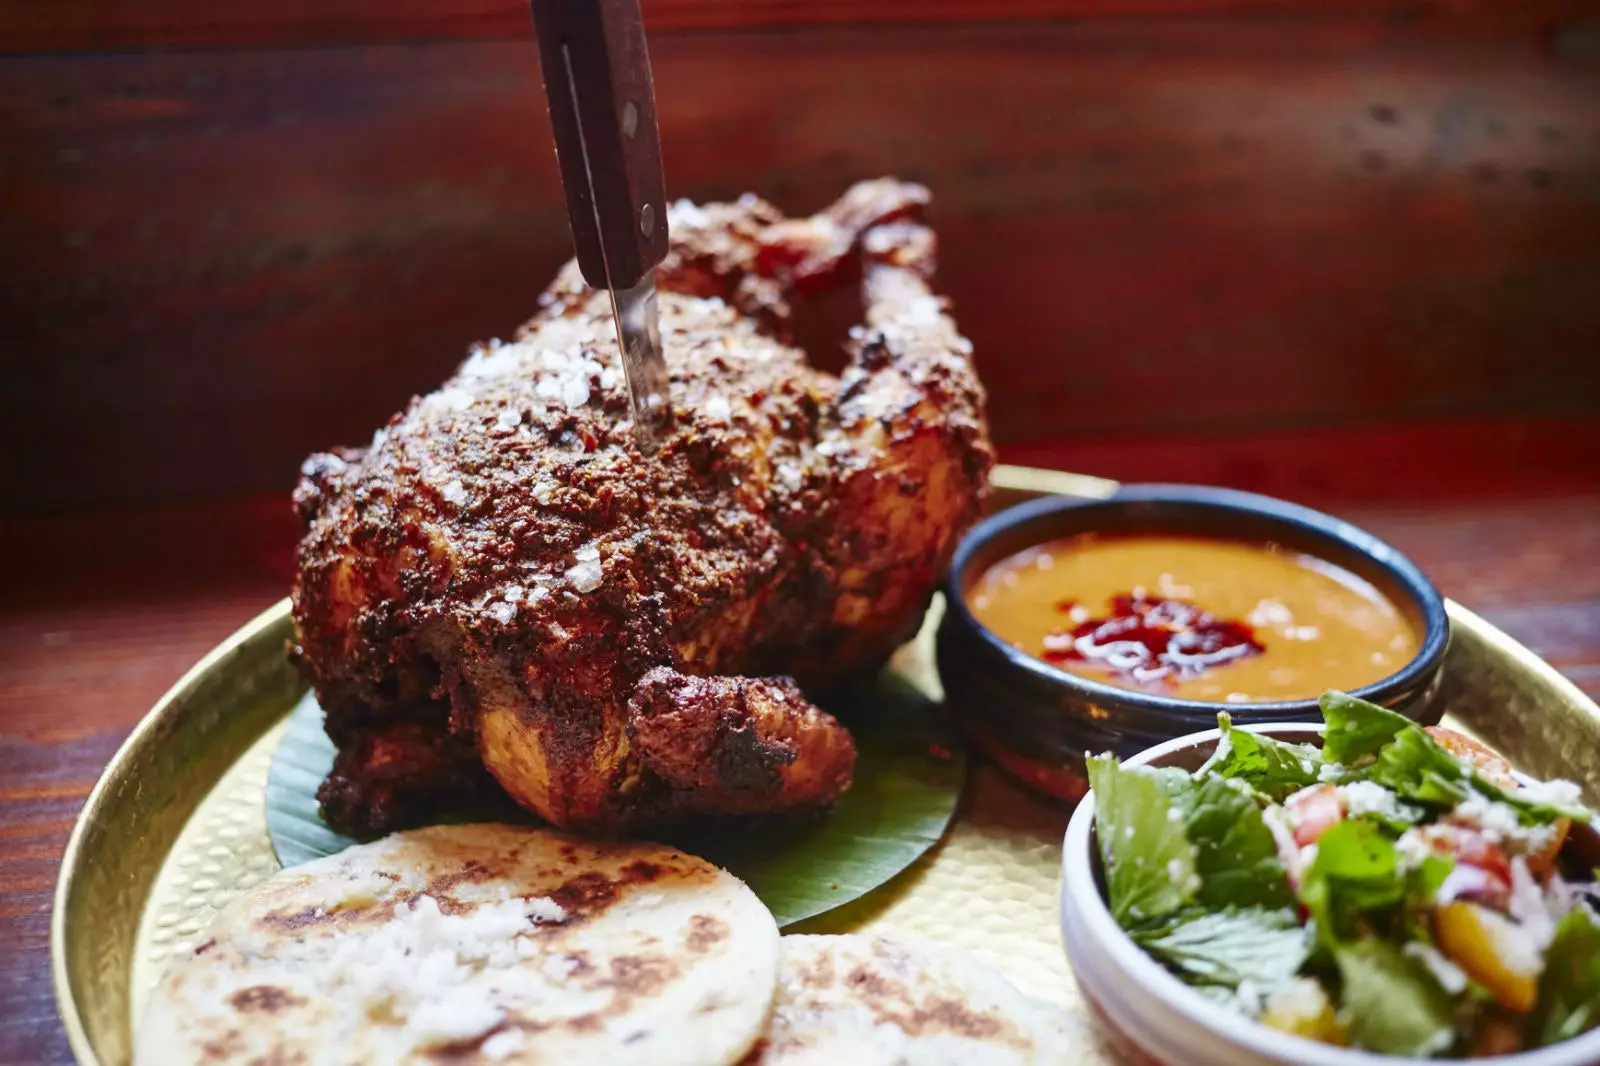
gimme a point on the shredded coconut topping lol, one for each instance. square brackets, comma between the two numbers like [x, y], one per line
[415, 966]
[502, 1044]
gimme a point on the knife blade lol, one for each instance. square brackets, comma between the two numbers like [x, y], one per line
[602, 111]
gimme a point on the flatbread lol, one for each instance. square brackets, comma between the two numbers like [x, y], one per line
[476, 944]
[873, 1001]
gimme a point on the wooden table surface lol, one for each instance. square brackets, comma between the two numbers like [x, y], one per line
[101, 612]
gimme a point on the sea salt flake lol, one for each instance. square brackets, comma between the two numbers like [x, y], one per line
[717, 407]
[585, 576]
[455, 493]
[686, 213]
[575, 391]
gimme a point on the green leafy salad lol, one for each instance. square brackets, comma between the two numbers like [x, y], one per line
[1398, 889]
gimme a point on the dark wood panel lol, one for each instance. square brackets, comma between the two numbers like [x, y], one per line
[1415, 464]
[217, 262]
[60, 25]
[110, 607]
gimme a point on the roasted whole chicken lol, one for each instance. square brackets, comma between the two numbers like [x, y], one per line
[504, 591]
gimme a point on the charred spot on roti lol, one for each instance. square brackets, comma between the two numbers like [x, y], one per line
[817, 973]
[286, 921]
[705, 932]
[642, 871]
[872, 985]
[952, 1016]
[585, 895]
[892, 1003]
[592, 891]
[374, 912]
[471, 872]
[268, 998]
[224, 1047]
[639, 975]
[279, 1057]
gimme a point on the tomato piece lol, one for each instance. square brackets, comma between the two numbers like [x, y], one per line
[1488, 762]
[1313, 811]
[1543, 861]
[1467, 845]
[1482, 872]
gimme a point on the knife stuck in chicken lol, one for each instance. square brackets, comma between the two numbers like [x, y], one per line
[603, 114]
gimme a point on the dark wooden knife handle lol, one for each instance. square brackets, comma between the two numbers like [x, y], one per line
[597, 81]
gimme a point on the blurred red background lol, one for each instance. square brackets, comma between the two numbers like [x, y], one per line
[238, 232]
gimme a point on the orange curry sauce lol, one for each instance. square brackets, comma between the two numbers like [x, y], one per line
[1194, 618]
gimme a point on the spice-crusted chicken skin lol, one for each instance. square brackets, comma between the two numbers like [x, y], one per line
[503, 580]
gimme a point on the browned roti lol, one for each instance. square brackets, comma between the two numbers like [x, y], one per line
[867, 1000]
[476, 944]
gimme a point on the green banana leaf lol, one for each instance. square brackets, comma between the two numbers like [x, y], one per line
[909, 775]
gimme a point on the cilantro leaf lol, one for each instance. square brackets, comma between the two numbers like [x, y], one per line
[1235, 853]
[1417, 768]
[1357, 729]
[1271, 767]
[1393, 1005]
[1355, 871]
[1148, 860]
[1414, 765]
[1425, 880]
[1227, 947]
[1569, 988]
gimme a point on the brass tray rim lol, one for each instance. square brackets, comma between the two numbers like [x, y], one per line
[148, 726]
[1014, 478]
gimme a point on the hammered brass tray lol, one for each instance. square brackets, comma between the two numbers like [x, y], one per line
[176, 825]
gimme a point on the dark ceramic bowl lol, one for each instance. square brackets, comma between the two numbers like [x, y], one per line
[1037, 721]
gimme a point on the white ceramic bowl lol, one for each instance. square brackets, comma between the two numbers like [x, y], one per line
[1152, 1017]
